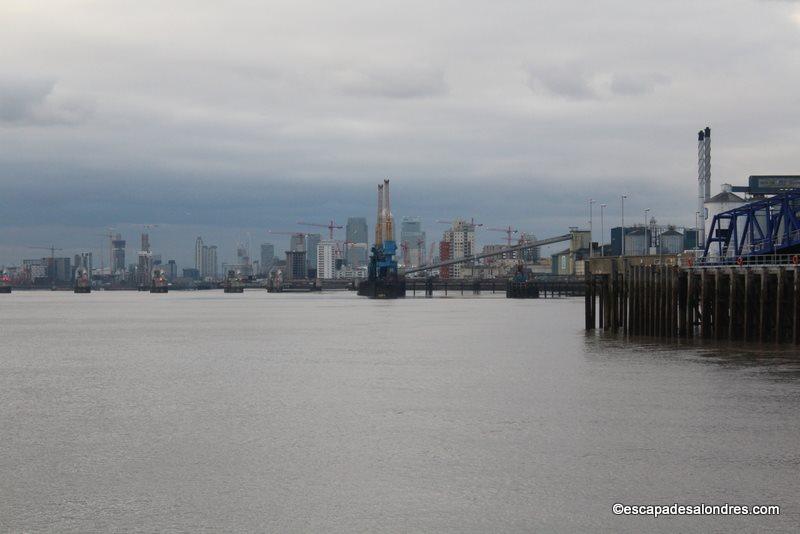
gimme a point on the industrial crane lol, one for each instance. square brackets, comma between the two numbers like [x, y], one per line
[508, 231]
[331, 226]
[52, 265]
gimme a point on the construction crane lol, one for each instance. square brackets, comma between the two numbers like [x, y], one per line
[110, 237]
[508, 231]
[406, 257]
[52, 265]
[471, 221]
[331, 226]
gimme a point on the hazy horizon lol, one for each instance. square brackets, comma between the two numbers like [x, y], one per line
[226, 120]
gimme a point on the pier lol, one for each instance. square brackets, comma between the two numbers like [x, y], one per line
[681, 298]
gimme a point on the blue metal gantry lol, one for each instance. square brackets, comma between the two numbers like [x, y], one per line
[762, 227]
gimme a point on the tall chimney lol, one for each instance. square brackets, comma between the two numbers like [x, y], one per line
[703, 178]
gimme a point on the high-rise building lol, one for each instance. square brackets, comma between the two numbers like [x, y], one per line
[297, 243]
[144, 266]
[312, 240]
[296, 266]
[326, 259]
[412, 240]
[203, 261]
[118, 255]
[199, 255]
[357, 254]
[243, 259]
[357, 230]
[172, 270]
[357, 245]
[530, 254]
[212, 263]
[267, 257]
[461, 240]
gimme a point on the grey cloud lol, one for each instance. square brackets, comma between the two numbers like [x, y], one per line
[36, 102]
[395, 82]
[567, 81]
[631, 85]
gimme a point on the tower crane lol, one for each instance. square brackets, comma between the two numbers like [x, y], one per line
[508, 231]
[406, 257]
[331, 226]
[471, 221]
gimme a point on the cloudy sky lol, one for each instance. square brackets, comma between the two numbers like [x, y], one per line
[226, 119]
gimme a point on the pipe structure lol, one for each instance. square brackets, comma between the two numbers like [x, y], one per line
[473, 257]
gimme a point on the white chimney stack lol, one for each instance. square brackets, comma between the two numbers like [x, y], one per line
[703, 178]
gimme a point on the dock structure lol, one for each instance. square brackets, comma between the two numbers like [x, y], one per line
[681, 298]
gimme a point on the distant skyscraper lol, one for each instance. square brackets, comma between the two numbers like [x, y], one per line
[297, 243]
[198, 255]
[118, 255]
[460, 239]
[530, 254]
[267, 257]
[172, 270]
[326, 259]
[357, 254]
[296, 266]
[357, 230]
[357, 246]
[312, 240]
[412, 240]
[212, 263]
[145, 265]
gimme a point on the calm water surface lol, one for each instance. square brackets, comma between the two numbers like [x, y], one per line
[319, 413]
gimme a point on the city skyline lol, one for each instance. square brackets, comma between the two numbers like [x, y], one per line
[231, 141]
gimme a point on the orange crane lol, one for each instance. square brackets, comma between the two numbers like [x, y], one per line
[331, 226]
[508, 231]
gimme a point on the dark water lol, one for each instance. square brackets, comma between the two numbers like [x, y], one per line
[331, 413]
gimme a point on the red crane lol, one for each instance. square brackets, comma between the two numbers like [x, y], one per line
[508, 231]
[406, 257]
[331, 226]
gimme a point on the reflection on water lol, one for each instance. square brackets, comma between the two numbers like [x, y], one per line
[270, 412]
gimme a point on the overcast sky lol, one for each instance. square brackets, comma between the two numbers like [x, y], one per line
[226, 119]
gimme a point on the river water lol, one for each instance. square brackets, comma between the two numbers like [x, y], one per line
[200, 411]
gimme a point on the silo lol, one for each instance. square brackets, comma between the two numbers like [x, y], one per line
[671, 242]
[635, 242]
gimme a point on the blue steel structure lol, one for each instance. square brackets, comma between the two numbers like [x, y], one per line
[762, 227]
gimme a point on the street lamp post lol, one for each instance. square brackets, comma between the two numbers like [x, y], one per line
[622, 215]
[602, 228]
[697, 230]
[646, 241]
[591, 213]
